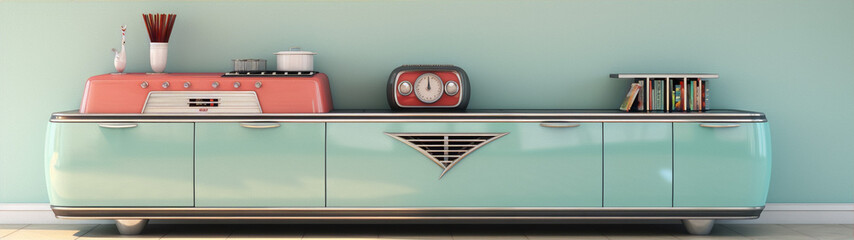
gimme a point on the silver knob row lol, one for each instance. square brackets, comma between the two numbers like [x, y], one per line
[405, 88]
[187, 84]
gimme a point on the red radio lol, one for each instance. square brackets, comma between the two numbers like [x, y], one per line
[422, 87]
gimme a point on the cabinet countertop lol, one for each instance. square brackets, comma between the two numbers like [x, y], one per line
[485, 115]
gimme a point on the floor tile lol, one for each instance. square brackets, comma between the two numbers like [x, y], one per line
[50, 231]
[823, 231]
[564, 231]
[109, 231]
[6, 229]
[641, 231]
[767, 231]
[718, 232]
[266, 231]
[487, 232]
[415, 231]
[197, 231]
[341, 232]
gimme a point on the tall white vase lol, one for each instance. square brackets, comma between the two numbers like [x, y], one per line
[158, 56]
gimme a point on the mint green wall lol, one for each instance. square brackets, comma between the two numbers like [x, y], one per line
[791, 59]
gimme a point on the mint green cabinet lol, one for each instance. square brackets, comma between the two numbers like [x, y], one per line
[530, 166]
[260, 164]
[144, 164]
[721, 164]
[638, 165]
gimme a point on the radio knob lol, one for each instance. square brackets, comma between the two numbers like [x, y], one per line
[236, 84]
[451, 88]
[215, 84]
[258, 84]
[404, 88]
[144, 84]
[165, 85]
[186, 84]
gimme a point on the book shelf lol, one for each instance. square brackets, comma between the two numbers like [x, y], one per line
[676, 92]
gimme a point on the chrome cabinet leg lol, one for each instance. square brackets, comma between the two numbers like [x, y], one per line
[131, 226]
[699, 226]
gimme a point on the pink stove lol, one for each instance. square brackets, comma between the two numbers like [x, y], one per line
[247, 92]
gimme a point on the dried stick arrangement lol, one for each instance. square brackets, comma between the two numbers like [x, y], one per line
[159, 26]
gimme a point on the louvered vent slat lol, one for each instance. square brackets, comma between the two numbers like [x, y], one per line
[446, 149]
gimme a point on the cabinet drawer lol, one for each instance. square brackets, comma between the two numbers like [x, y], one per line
[144, 164]
[721, 165]
[530, 166]
[260, 164]
[638, 165]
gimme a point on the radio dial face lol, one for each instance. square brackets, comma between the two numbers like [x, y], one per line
[429, 88]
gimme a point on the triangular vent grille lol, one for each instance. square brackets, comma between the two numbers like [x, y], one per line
[446, 149]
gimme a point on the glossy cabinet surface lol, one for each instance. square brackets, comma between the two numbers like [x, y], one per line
[144, 164]
[531, 166]
[638, 165]
[721, 164]
[259, 164]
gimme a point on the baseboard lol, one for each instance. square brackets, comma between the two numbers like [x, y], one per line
[803, 213]
[775, 213]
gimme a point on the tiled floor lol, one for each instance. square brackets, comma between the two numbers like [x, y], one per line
[572, 231]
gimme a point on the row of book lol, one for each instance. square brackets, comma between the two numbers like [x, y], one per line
[667, 94]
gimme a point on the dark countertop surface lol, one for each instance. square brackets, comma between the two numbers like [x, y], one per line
[473, 115]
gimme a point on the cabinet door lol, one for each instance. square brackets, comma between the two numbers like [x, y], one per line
[638, 165]
[721, 164]
[260, 164]
[530, 166]
[139, 164]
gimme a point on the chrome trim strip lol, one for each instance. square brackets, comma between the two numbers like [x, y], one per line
[260, 125]
[720, 126]
[398, 209]
[118, 125]
[407, 218]
[559, 124]
[471, 214]
[533, 120]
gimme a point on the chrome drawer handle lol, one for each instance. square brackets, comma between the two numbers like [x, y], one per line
[719, 126]
[260, 125]
[117, 125]
[559, 125]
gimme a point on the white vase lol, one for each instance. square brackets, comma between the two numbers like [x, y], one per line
[158, 56]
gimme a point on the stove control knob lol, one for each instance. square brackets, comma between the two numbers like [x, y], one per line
[215, 84]
[258, 84]
[165, 85]
[404, 88]
[451, 88]
[186, 84]
[144, 84]
[236, 84]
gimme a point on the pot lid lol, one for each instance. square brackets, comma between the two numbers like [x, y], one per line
[295, 51]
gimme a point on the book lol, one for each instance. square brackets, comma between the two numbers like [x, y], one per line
[690, 102]
[658, 89]
[640, 97]
[677, 97]
[667, 94]
[705, 96]
[648, 96]
[630, 97]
